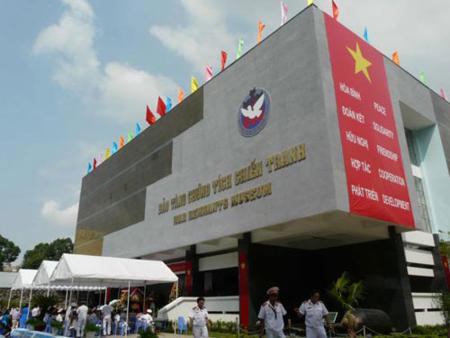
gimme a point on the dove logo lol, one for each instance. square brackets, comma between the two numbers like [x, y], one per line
[254, 112]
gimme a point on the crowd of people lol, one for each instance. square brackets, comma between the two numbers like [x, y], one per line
[71, 322]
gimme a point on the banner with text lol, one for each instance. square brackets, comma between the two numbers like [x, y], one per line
[373, 162]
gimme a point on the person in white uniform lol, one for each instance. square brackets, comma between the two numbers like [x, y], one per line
[199, 319]
[106, 314]
[271, 315]
[82, 313]
[315, 313]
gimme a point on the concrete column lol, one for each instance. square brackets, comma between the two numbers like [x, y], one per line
[244, 280]
[403, 309]
[193, 283]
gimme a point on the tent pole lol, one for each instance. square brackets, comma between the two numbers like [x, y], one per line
[9, 300]
[87, 298]
[21, 298]
[143, 303]
[106, 293]
[48, 290]
[100, 297]
[78, 296]
[65, 302]
[70, 296]
[128, 305]
[29, 303]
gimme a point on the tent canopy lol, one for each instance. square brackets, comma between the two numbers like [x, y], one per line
[110, 271]
[24, 279]
[45, 271]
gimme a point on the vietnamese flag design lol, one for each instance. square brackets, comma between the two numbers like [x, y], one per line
[376, 181]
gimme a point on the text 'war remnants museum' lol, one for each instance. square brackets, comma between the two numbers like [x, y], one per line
[311, 155]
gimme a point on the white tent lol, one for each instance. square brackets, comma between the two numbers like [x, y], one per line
[23, 281]
[42, 280]
[42, 277]
[111, 272]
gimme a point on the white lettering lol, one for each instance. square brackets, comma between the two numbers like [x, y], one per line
[387, 153]
[359, 140]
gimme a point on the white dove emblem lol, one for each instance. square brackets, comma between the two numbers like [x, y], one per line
[256, 110]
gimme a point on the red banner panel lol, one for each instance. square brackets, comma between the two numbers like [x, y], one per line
[244, 297]
[373, 161]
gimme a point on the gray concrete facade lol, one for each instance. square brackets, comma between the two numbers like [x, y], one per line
[200, 140]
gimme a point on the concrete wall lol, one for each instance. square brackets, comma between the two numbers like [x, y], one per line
[113, 196]
[285, 64]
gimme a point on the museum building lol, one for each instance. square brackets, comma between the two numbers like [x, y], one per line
[311, 155]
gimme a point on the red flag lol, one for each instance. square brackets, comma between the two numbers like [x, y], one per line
[95, 164]
[161, 107]
[335, 10]
[223, 60]
[150, 117]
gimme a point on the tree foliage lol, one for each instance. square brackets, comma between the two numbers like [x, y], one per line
[8, 251]
[346, 292]
[46, 251]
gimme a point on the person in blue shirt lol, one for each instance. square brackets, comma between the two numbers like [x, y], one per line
[23, 317]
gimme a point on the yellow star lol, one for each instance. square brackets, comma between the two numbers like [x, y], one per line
[361, 64]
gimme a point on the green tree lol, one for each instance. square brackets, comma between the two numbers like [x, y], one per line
[8, 251]
[46, 251]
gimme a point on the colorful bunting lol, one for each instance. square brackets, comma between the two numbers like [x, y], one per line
[284, 13]
[121, 142]
[240, 48]
[335, 10]
[366, 35]
[396, 58]
[180, 95]
[150, 117]
[115, 147]
[309, 2]
[223, 59]
[161, 107]
[107, 153]
[168, 104]
[194, 84]
[261, 27]
[442, 92]
[422, 78]
[208, 73]
[137, 129]
[89, 168]
[94, 164]
[130, 136]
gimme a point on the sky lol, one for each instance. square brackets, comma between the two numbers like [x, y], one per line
[77, 74]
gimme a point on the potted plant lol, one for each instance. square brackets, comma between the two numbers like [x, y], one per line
[148, 333]
[92, 330]
[348, 294]
[35, 324]
[57, 327]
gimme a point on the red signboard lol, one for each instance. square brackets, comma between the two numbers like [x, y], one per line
[373, 161]
[244, 296]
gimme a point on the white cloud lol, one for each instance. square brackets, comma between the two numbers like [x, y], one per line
[418, 30]
[202, 39]
[63, 217]
[114, 89]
